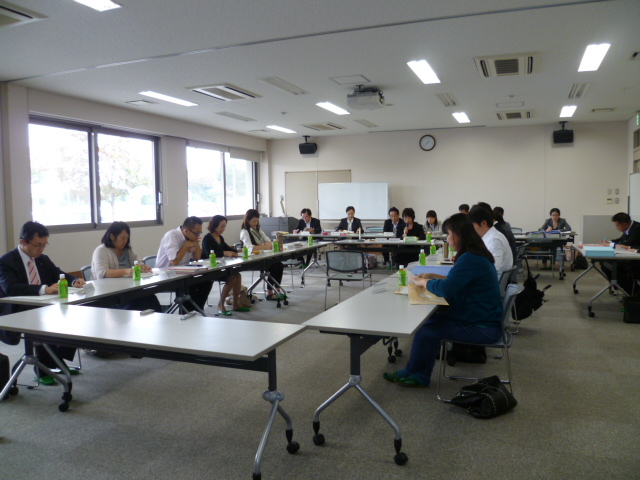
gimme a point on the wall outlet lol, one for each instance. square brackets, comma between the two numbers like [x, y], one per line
[609, 200]
[617, 192]
[617, 200]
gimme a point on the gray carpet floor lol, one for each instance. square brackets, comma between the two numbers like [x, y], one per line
[576, 378]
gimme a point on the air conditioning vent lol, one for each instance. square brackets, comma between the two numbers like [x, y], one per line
[366, 123]
[515, 115]
[284, 85]
[447, 99]
[141, 103]
[323, 126]
[10, 15]
[259, 131]
[506, 65]
[579, 90]
[603, 110]
[226, 92]
[236, 116]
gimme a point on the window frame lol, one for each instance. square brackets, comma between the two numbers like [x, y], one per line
[94, 180]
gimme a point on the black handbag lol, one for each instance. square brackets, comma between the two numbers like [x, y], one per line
[487, 398]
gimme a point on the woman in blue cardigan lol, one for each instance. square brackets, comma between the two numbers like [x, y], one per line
[475, 307]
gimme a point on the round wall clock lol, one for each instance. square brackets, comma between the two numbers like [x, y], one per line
[427, 143]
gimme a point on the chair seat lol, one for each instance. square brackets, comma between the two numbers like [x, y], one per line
[291, 263]
[347, 277]
[505, 342]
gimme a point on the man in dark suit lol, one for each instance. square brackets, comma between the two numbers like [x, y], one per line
[629, 240]
[26, 271]
[395, 225]
[308, 224]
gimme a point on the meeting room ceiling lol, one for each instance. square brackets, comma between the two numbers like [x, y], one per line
[325, 48]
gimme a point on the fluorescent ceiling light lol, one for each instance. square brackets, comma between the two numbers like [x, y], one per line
[593, 56]
[99, 5]
[332, 108]
[424, 71]
[167, 98]
[280, 129]
[567, 111]
[461, 117]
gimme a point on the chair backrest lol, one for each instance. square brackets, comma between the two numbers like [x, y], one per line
[513, 291]
[238, 246]
[520, 253]
[515, 230]
[150, 261]
[87, 273]
[505, 278]
[345, 261]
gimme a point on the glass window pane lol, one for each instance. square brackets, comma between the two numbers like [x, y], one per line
[60, 184]
[239, 183]
[204, 178]
[126, 169]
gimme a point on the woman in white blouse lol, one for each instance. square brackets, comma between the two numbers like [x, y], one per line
[255, 240]
[114, 258]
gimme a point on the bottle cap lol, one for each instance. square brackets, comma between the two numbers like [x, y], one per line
[135, 262]
[401, 267]
[422, 250]
[61, 276]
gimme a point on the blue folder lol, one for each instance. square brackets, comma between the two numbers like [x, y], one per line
[439, 269]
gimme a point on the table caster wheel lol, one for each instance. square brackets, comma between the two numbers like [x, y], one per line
[286, 302]
[257, 476]
[293, 447]
[318, 439]
[67, 397]
[63, 407]
[14, 390]
[591, 314]
[575, 290]
[253, 301]
[401, 458]
[398, 352]
[391, 359]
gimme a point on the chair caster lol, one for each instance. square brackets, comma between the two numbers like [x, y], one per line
[575, 290]
[591, 314]
[293, 447]
[63, 407]
[257, 476]
[14, 390]
[398, 352]
[67, 397]
[286, 302]
[401, 458]
[391, 359]
[318, 439]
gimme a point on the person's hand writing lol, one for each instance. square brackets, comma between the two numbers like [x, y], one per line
[52, 289]
[230, 254]
[419, 280]
[79, 282]
[144, 268]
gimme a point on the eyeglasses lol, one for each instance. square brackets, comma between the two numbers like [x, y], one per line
[39, 246]
[197, 234]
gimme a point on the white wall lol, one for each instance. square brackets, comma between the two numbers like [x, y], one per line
[517, 168]
[71, 251]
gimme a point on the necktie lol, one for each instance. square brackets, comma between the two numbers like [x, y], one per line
[34, 277]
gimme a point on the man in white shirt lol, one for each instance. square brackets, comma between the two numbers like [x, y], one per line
[495, 241]
[181, 246]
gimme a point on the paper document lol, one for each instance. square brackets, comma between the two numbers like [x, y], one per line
[422, 296]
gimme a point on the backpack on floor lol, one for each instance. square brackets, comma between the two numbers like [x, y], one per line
[530, 299]
[5, 370]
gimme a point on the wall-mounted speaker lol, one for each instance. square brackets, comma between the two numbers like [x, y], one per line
[308, 148]
[563, 136]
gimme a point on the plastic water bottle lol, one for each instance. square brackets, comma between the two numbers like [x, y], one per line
[433, 249]
[276, 247]
[245, 252]
[310, 241]
[63, 287]
[451, 252]
[137, 271]
[402, 277]
[423, 257]
[213, 260]
[429, 237]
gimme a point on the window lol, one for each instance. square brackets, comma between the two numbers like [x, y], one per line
[218, 183]
[89, 176]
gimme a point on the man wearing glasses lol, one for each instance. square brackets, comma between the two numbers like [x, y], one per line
[181, 246]
[27, 271]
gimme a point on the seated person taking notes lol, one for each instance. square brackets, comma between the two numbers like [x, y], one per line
[393, 225]
[554, 223]
[475, 305]
[629, 240]
[411, 229]
[27, 271]
[115, 259]
[496, 243]
[256, 240]
[308, 224]
[181, 246]
[350, 223]
[214, 242]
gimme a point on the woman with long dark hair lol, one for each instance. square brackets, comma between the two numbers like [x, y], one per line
[254, 238]
[432, 225]
[214, 242]
[475, 306]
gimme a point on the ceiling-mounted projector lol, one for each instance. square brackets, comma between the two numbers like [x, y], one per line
[369, 98]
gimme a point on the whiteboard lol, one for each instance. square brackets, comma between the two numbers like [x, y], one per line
[634, 196]
[371, 200]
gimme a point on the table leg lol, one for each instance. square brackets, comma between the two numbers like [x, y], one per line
[613, 284]
[274, 397]
[356, 349]
[314, 261]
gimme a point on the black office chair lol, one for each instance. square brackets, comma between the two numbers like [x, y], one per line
[87, 273]
[350, 265]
